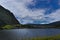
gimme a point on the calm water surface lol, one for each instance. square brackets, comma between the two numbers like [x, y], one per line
[17, 34]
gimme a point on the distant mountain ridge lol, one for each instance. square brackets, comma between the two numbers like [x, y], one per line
[51, 25]
[7, 17]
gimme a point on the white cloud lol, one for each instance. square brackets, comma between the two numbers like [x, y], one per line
[21, 6]
[55, 15]
[19, 9]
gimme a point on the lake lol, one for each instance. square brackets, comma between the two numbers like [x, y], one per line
[17, 34]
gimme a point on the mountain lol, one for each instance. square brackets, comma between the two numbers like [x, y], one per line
[51, 25]
[7, 17]
[55, 24]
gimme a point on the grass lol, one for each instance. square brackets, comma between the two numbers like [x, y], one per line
[10, 26]
[57, 37]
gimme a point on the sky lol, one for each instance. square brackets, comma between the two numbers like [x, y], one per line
[34, 11]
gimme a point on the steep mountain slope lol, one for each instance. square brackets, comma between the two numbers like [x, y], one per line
[7, 17]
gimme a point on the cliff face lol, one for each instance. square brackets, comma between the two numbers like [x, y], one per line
[6, 17]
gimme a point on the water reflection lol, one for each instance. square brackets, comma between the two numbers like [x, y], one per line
[17, 34]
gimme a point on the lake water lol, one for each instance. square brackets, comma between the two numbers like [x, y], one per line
[17, 34]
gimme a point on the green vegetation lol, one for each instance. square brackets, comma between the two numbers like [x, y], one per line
[10, 26]
[57, 37]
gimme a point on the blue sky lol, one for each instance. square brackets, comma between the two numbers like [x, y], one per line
[34, 11]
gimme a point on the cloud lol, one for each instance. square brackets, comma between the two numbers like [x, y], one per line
[55, 15]
[20, 10]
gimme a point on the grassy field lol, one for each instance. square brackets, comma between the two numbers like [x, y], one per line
[10, 27]
[57, 37]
